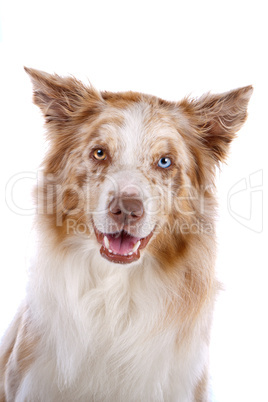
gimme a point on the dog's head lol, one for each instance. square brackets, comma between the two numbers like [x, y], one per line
[130, 170]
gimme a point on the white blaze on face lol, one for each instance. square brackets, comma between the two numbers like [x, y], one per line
[125, 174]
[134, 135]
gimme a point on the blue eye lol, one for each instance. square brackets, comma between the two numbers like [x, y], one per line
[164, 162]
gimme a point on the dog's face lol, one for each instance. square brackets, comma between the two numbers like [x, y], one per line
[131, 170]
[134, 164]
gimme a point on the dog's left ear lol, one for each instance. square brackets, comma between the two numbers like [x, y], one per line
[216, 118]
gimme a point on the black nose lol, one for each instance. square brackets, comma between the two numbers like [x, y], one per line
[125, 210]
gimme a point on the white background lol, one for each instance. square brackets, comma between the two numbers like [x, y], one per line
[170, 49]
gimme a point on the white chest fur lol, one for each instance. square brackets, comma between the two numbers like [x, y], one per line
[105, 336]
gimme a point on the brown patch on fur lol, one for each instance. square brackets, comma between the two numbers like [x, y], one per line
[17, 357]
[201, 391]
[70, 200]
[81, 179]
[25, 347]
[121, 100]
[97, 131]
[165, 148]
[3, 365]
[168, 248]
[197, 172]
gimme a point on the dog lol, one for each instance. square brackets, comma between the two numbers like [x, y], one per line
[121, 290]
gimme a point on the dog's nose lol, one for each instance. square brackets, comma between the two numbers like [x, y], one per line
[126, 209]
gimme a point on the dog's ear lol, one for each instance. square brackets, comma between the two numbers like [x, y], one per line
[216, 118]
[60, 97]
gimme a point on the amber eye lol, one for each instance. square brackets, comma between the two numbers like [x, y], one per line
[100, 154]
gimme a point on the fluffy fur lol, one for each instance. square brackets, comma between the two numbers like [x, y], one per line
[108, 327]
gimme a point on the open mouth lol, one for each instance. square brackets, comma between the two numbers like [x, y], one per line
[121, 247]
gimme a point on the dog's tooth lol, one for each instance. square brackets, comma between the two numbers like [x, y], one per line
[137, 245]
[131, 253]
[106, 242]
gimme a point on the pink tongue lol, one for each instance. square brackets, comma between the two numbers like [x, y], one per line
[122, 243]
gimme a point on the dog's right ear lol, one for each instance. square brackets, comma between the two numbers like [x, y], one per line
[59, 98]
